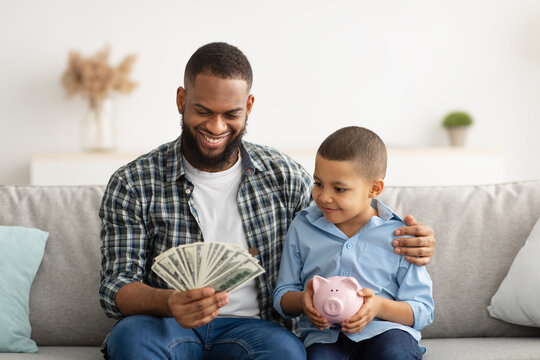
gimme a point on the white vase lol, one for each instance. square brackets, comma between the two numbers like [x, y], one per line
[97, 128]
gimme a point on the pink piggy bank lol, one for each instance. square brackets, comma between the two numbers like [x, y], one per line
[335, 298]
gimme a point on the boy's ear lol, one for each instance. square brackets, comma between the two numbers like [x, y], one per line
[376, 188]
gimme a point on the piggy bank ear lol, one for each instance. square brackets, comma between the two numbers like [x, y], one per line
[351, 283]
[318, 281]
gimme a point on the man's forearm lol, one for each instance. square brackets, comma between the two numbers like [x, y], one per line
[140, 299]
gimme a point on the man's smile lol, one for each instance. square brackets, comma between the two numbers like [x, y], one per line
[213, 140]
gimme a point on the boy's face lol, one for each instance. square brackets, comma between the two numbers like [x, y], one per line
[342, 194]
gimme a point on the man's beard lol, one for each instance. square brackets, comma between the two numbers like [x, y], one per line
[199, 160]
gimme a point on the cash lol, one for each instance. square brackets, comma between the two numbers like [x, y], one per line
[221, 266]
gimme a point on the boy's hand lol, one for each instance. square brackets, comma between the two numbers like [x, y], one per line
[418, 249]
[309, 309]
[367, 312]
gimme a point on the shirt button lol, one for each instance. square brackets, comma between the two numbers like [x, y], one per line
[345, 273]
[348, 245]
[188, 191]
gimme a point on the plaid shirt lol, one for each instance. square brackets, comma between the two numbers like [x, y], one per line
[148, 208]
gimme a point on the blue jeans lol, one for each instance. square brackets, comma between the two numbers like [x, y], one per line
[149, 337]
[390, 345]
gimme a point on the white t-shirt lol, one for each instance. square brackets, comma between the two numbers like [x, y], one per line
[214, 195]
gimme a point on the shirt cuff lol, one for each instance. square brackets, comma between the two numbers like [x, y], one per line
[107, 295]
[278, 294]
[423, 315]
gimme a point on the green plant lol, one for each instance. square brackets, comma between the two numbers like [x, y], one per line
[457, 118]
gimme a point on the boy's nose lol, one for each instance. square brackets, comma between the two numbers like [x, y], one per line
[325, 197]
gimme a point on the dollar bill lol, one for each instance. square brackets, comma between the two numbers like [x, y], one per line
[237, 276]
[222, 266]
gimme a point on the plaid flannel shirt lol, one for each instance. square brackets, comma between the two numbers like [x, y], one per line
[147, 208]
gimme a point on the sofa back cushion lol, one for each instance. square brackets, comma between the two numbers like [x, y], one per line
[479, 231]
[64, 306]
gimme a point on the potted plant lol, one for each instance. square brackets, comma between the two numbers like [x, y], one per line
[95, 79]
[457, 123]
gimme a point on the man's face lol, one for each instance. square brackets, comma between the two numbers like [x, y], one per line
[214, 113]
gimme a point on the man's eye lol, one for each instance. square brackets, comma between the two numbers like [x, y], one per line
[232, 116]
[200, 112]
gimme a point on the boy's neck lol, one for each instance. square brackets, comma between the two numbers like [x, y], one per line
[351, 228]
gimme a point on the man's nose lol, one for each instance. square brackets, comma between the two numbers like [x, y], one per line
[217, 125]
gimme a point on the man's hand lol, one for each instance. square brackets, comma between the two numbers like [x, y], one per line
[309, 309]
[418, 249]
[196, 307]
[367, 312]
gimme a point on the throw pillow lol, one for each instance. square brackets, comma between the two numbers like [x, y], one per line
[516, 301]
[21, 254]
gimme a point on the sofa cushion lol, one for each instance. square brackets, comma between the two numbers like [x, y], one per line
[518, 298]
[482, 349]
[64, 305]
[479, 231]
[59, 353]
[22, 251]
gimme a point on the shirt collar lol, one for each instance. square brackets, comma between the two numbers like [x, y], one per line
[175, 165]
[315, 216]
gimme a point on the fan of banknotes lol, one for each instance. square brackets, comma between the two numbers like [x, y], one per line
[221, 266]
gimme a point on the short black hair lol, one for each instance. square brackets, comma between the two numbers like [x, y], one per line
[219, 59]
[360, 145]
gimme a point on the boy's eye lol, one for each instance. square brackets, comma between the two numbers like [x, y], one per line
[318, 184]
[338, 189]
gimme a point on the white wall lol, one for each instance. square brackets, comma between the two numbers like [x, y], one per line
[393, 66]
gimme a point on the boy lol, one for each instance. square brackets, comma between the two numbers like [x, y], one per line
[348, 232]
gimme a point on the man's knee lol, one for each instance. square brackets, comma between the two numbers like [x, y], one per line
[138, 337]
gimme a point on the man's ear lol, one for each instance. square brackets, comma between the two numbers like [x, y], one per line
[181, 99]
[376, 188]
[249, 104]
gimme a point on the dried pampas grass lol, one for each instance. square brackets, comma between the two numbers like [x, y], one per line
[93, 77]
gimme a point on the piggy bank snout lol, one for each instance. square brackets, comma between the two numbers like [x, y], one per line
[333, 306]
[336, 297]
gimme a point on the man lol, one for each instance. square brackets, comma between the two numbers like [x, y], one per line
[208, 185]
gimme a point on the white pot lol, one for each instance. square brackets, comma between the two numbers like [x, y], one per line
[457, 135]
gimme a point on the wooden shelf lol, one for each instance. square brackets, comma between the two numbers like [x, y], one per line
[406, 166]
[89, 168]
[425, 166]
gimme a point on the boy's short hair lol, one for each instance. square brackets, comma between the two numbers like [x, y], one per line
[360, 145]
[219, 59]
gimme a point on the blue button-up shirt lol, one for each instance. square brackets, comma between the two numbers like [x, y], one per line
[315, 246]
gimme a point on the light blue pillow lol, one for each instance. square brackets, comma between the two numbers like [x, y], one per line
[21, 251]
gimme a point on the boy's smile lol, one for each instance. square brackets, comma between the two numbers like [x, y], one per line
[343, 195]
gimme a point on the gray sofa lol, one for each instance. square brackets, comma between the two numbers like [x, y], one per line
[479, 230]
